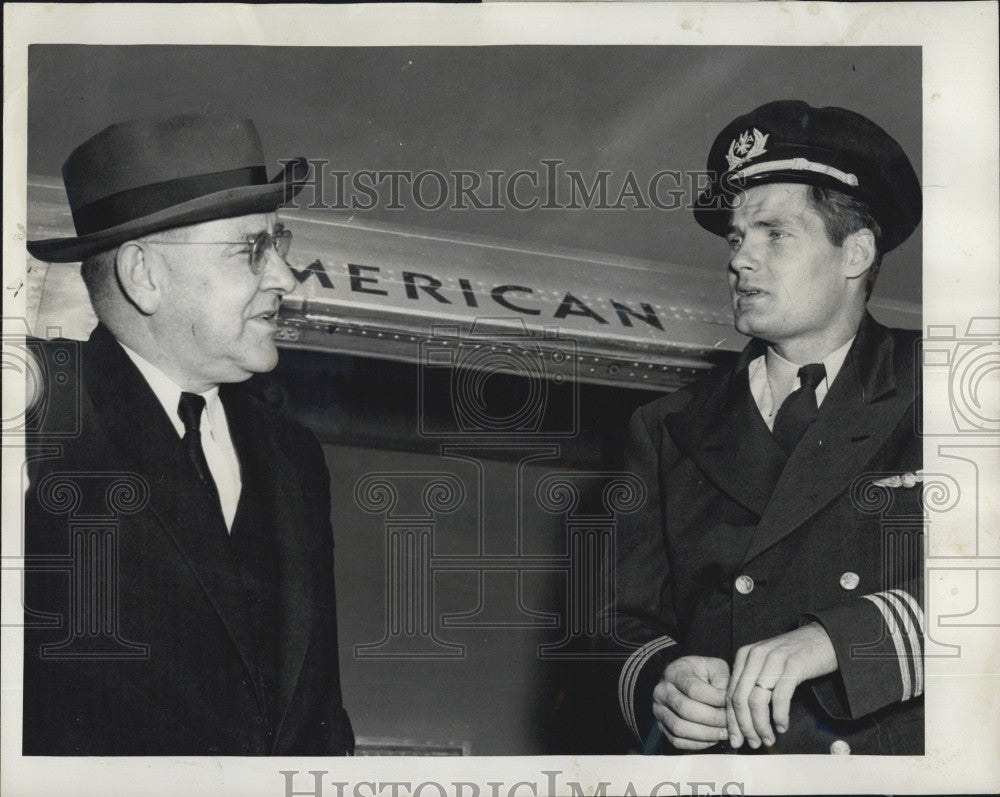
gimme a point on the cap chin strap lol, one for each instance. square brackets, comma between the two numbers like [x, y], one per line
[798, 165]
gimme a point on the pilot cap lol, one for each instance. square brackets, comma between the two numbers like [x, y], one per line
[789, 141]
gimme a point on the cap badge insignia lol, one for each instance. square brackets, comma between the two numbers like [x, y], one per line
[748, 145]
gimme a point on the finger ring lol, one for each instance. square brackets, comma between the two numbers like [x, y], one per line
[765, 688]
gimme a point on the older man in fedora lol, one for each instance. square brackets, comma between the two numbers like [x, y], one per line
[771, 588]
[179, 593]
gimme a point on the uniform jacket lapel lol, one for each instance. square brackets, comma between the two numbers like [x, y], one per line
[715, 428]
[138, 428]
[282, 490]
[866, 402]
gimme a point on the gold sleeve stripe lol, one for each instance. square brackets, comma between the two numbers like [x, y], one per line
[892, 626]
[913, 620]
[630, 675]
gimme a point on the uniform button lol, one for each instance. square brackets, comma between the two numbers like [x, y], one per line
[840, 747]
[744, 585]
[850, 580]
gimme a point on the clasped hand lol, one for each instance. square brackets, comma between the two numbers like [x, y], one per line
[699, 702]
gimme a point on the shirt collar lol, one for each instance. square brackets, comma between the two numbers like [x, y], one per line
[167, 392]
[782, 374]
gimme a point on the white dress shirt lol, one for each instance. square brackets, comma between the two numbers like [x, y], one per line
[215, 439]
[773, 378]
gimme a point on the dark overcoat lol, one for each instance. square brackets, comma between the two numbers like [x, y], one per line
[738, 543]
[149, 631]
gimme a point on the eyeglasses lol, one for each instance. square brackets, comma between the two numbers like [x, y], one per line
[260, 246]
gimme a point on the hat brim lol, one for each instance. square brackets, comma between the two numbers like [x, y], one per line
[713, 207]
[714, 204]
[219, 205]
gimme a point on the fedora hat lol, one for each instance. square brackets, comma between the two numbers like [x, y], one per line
[145, 175]
[789, 141]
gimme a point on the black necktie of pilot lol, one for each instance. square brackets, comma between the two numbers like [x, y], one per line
[799, 409]
[189, 409]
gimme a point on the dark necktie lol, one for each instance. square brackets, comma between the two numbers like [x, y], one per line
[189, 409]
[799, 409]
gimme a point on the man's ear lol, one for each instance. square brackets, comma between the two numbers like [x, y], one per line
[136, 277]
[859, 251]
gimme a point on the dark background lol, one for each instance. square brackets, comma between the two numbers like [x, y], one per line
[480, 108]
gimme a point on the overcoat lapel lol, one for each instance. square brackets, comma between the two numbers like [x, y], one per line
[137, 426]
[716, 430]
[282, 496]
[865, 403]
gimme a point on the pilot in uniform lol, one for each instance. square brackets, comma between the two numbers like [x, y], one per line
[770, 590]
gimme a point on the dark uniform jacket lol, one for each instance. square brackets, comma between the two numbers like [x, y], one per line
[738, 543]
[149, 629]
